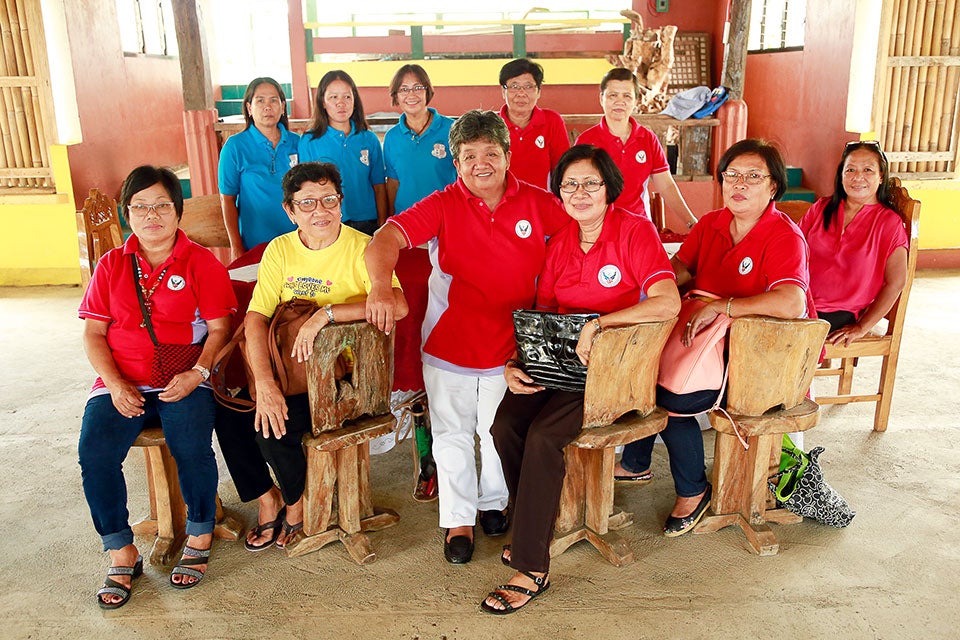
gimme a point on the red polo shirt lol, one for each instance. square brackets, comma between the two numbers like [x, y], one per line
[772, 253]
[847, 265]
[638, 159]
[614, 274]
[195, 288]
[485, 265]
[536, 148]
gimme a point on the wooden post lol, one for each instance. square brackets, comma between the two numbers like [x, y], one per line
[194, 67]
[735, 51]
[299, 103]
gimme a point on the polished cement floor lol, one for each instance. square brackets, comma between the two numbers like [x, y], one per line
[894, 573]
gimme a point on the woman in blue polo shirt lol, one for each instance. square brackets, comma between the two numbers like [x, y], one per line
[252, 164]
[417, 149]
[339, 134]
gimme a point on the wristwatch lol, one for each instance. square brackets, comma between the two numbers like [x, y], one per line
[203, 371]
[329, 309]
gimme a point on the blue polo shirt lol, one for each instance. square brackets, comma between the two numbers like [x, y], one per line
[251, 169]
[422, 163]
[359, 158]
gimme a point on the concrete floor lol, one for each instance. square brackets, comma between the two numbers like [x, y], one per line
[894, 573]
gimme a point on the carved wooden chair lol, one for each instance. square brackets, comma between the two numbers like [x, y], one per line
[887, 345]
[98, 231]
[347, 414]
[796, 209]
[772, 363]
[619, 407]
[202, 221]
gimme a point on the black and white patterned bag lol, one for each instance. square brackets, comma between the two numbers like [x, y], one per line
[813, 497]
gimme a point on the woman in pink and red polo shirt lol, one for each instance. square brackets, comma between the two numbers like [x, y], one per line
[612, 263]
[187, 297]
[858, 245]
[755, 259]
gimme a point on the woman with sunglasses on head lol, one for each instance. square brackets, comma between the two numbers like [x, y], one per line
[292, 266]
[339, 134]
[754, 259]
[858, 245]
[416, 149]
[610, 262]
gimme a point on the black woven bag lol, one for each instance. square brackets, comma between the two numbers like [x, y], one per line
[546, 345]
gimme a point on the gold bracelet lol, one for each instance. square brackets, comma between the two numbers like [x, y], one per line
[729, 302]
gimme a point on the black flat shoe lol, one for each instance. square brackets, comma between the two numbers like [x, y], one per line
[495, 523]
[679, 526]
[459, 550]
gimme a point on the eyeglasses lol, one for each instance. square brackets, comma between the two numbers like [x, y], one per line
[160, 208]
[419, 88]
[752, 179]
[517, 88]
[308, 205]
[590, 186]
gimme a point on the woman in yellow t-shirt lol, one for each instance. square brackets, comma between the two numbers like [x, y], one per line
[322, 261]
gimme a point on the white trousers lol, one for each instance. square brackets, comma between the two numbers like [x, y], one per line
[462, 408]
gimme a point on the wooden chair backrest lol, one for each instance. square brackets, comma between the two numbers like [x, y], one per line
[909, 210]
[365, 391]
[98, 231]
[202, 221]
[772, 362]
[796, 209]
[622, 375]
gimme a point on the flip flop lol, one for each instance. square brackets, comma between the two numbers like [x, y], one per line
[289, 530]
[644, 478]
[112, 587]
[274, 525]
[540, 581]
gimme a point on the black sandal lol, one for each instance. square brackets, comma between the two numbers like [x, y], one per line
[185, 567]
[112, 587]
[274, 525]
[289, 530]
[540, 581]
[503, 555]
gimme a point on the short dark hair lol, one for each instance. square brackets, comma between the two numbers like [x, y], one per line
[840, 194]
[320, 121]
[601, 161]
[422, 78]
[620, 73]
[320, 172]
[770, 155]
[248, 98]
[519, 67]
[478, 124]
[146, 176]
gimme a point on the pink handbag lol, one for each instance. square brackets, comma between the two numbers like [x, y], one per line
[701, 365]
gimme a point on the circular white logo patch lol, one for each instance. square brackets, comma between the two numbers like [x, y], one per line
[746, 266]
[641, 156]
[609, 276]
[175, 283]
[539, 142]
[523, 229]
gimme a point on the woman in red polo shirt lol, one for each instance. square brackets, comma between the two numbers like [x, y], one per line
[858, 245]
[159, 286]
[612, 263]
[755, 259]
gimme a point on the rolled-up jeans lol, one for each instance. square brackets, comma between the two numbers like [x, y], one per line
[683, 439]
[106, 438]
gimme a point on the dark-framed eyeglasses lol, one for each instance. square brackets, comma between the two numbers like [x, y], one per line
[590, 186]
[309, 205]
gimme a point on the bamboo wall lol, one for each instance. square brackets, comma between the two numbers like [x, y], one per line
[26, 120]
[918, 78]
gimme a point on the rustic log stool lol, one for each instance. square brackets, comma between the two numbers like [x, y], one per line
[772, 363]
[168, 513]
[347, 414]
[619, 407]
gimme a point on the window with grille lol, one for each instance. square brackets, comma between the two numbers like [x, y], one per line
[776, 25]
[146, 27]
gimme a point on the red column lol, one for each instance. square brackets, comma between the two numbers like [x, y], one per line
[203, 153]
[733, 128]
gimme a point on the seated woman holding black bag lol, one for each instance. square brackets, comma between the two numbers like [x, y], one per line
[322, 261]
[611, 264]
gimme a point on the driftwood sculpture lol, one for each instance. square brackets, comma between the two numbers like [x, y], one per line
[649, 54]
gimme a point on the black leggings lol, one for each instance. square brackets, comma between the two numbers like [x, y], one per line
[837, 319]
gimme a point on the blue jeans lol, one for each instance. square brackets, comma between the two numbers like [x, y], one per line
[106, 437]
[683, 439]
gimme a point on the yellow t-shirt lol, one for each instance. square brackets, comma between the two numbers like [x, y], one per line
[333, 275]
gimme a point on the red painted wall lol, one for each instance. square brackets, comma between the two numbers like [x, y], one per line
[798, 99]
[131, 108]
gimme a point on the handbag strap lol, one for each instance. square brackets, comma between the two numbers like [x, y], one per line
[218, 375]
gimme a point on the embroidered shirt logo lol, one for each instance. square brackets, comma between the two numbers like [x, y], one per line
[746, 266]
[365, 156]
[539, 142]
[439, 151]
[641, 156]
[609, 276]
[175, 283]
[523, 229]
